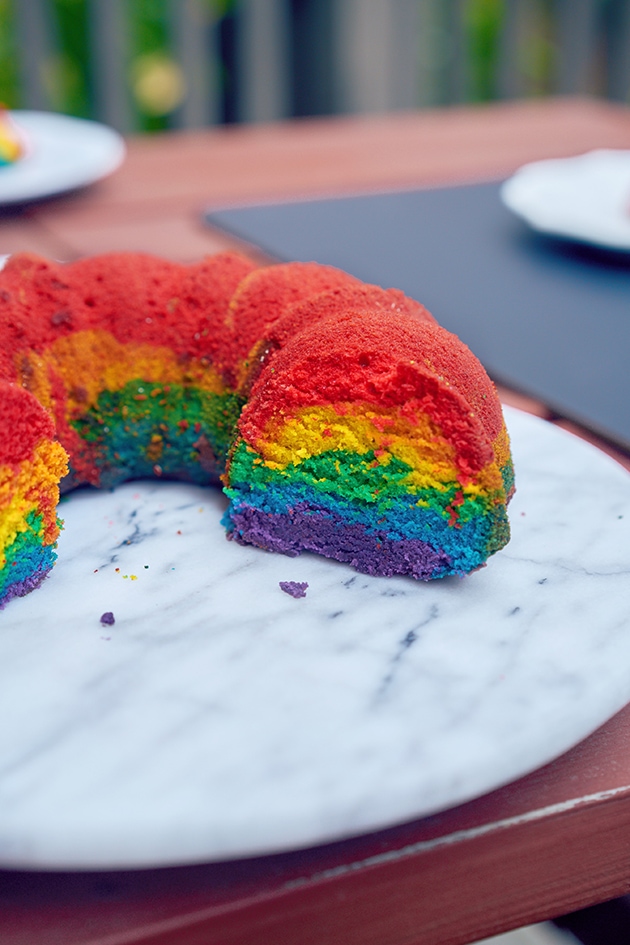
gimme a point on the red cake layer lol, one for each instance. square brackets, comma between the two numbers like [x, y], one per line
[450, 359]
[372, 357]
[443, 353]
[23, 424]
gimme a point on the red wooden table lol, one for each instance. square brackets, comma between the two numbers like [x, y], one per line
[552, 842]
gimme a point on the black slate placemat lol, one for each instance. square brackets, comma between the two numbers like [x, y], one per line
[547, 317]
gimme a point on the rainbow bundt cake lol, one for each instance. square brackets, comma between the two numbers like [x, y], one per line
[340, 417]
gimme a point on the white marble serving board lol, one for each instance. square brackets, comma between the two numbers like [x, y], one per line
[219, 717]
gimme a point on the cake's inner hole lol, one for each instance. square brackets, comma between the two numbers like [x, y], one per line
[129, 411]
[149, 429]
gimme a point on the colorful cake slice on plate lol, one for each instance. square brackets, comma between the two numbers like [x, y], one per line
[339, 416]
[376, 441]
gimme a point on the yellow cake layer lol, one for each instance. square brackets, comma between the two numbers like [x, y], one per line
[89, 362]
[361, 428]
[31, 487]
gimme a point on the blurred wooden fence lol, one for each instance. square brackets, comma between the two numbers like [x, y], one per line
[297, 57]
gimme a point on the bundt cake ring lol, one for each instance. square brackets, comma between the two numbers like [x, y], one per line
[340, 418]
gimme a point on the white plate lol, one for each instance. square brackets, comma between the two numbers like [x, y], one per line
[62, 154]
[585, 198]
[219, 717]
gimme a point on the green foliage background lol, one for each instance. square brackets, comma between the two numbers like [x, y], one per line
[69, 81]
[68, 75]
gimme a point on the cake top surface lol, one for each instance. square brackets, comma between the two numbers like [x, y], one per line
[139, 298]
[264, 296]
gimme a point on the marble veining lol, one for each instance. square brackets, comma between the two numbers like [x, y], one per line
[219, 716]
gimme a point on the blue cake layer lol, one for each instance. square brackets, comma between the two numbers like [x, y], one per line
[27, 564]
[467, 544]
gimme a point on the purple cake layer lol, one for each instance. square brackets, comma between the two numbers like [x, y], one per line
[368, 552]
[22, 588]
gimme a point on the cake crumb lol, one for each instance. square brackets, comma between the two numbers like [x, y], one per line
[294, 588]
[107, 619]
